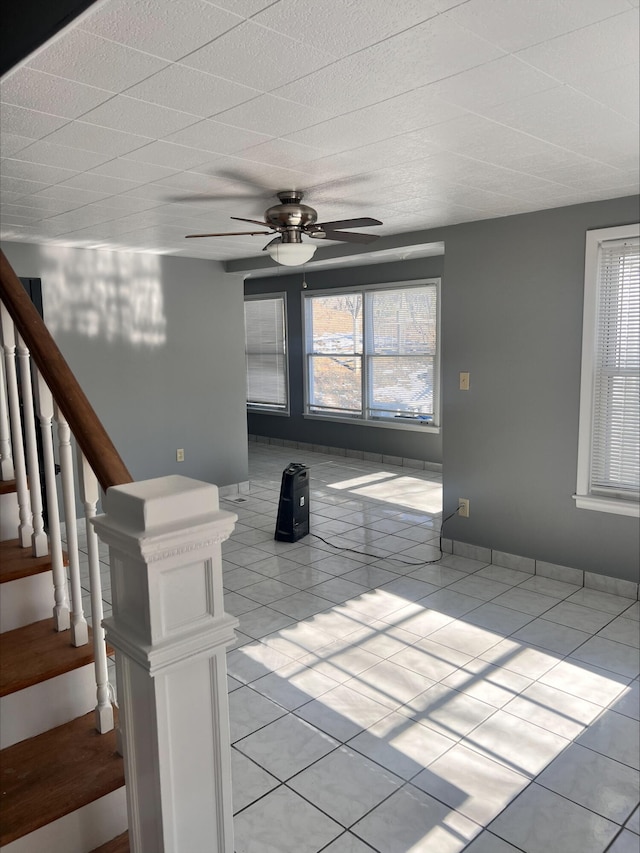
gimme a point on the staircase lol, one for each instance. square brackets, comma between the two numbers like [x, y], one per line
[62, 777]
[62, 783]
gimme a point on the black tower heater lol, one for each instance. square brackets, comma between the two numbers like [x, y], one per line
[293, 509]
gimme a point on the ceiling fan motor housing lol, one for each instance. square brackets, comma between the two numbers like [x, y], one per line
[290, 214]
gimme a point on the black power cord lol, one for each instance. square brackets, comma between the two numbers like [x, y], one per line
[394, 559]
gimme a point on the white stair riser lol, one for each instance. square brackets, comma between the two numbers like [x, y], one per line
[80, 831]
[26, 600]
[9, 517]
[46, 705]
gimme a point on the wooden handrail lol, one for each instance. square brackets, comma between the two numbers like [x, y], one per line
[74, 405]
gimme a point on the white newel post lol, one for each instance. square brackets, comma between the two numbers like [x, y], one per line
[170, 633]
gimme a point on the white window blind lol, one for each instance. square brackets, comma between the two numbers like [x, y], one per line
[265, 351]
[615, 467]
[609, 437]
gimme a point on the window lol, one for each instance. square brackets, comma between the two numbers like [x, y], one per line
[609, 438]
[266, 353]
[373, 354]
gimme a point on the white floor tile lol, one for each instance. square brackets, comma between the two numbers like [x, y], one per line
[412, 820]
[626, 842]
[633, 824]
[431, 659]
[250, 782]
[586, 681]
[607, 654]
[347, 843]
[262, 621]
[447, 711]
[401, 745]
[343, 712]
[516, 743]
[539, 821]
[282, 822]
[614, 604]
[615, 736]
[622, 630]
[552, 709]
[286, 746]
[293, 685]
[248, 711]
[487, 842]
[490, 684]
[552, 636]
[576, 616]
[471, 783]
[628, 702]
[572, 774]
[345, 785]
[466, 638]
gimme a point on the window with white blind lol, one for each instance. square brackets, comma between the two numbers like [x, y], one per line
[266, 353]
[609, 438]
[372, 354]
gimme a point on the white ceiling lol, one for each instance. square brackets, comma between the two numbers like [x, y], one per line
[420, 113]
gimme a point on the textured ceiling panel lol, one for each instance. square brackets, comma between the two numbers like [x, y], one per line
[146, 120]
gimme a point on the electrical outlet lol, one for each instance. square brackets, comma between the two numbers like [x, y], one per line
[463, 504]
[180, 454]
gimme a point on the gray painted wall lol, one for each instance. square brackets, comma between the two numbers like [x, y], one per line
[410, 444]
[157, 343]
[512, 295]
[512, 316]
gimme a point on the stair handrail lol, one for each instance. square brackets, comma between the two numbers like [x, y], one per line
[87, 428]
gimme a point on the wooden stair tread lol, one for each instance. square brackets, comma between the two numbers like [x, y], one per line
[55, 773]
[37, 652]
[17, 562]
[116, 845]
[7, 487]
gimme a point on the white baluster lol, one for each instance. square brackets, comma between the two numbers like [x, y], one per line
[90, 494]
[79, 628]
[25, 529]
[61, 597]
[6, 457]
[39, 542]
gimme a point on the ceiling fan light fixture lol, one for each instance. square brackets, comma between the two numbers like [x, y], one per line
[291, 254]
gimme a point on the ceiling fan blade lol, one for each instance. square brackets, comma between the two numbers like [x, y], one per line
[254, 221]
[230, 234]
[364, 222]
[347, 237]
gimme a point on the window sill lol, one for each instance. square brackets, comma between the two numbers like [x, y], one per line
[601, 504]
[400, 424]
[258, 411]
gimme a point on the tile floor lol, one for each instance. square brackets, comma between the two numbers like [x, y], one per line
[381, 704]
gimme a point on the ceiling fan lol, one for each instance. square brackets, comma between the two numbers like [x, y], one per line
[290, 220]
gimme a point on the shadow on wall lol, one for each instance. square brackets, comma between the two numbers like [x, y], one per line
[109, 295]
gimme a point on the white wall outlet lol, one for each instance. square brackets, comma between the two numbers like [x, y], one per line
[463, 507]
[180, 454]
[464, 381]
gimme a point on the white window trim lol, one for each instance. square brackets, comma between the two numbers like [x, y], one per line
[583, 498]
[361, 420]
[265, 409]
